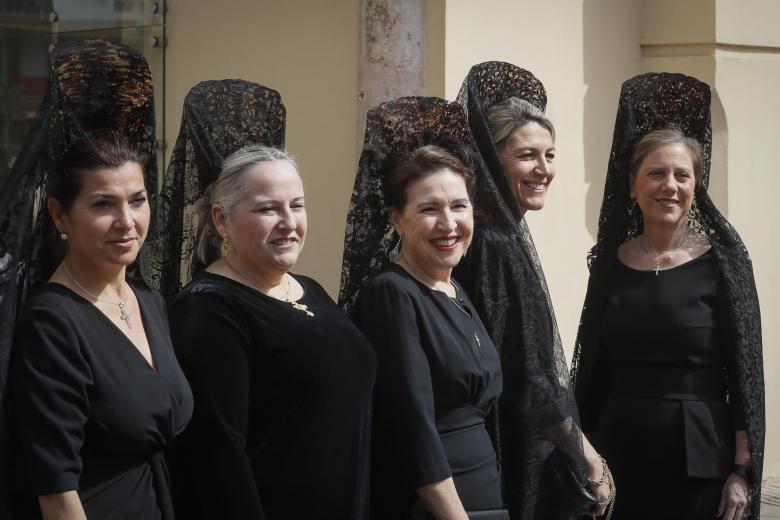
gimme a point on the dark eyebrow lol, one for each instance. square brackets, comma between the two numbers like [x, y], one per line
[111, 196]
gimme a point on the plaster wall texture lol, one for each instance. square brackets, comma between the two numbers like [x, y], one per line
[581, 50]
[308, 51]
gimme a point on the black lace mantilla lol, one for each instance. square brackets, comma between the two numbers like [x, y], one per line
[393, 129]
[502, 273]
[219, 118]
[649, 102]
[95, 87]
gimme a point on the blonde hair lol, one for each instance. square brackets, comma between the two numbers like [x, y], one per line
[228, 189]
[513, 113]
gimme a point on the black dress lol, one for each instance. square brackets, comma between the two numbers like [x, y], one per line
[91, 414]
[659, 396]
[282, 418]
[439, 378]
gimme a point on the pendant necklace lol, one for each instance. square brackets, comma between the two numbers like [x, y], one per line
[464, 311]
[400, 261]
[655, 254]
[123, 315]
[302, 307]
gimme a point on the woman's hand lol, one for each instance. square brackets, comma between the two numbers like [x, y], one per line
[442, 500]
[61, 506]
[734, 499]
[596, 467]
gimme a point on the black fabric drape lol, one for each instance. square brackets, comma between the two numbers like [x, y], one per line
[649, 102]
[219, 117]
[393, 129]
[95, 87]
[537, 415]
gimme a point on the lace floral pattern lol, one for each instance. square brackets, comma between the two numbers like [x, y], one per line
[649, 102]
[393, 129]
[503, 275]
[219, 118]
[94, 87]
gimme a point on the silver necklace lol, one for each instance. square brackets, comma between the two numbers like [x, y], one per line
[123, 315]
[464, 311]
[655, 254]
[295, 305]
[408, 269]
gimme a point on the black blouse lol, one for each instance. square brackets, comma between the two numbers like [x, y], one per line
[667, 337]
[91, 414]
[282, 405]
[439, 374]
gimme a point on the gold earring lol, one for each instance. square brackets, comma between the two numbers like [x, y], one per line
[226, 247]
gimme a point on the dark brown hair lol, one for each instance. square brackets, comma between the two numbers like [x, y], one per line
[87, 155]
[422, 162]
[664, 136]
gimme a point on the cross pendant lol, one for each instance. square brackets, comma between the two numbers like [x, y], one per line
[124, 316]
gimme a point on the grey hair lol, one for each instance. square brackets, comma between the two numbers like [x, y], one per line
[228, 190]
[513, 113]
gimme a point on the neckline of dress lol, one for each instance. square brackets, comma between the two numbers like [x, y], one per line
[256, 291]
[707, 253]
[155, 365]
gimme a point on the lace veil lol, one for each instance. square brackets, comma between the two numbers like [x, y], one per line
[94, 87]
[537, 413]
[393, 128]
[649, 102]
[219, 118]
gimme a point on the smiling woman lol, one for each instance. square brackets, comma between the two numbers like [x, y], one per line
[439, 375]
[281, 378]
[525, 141]
[668, 365]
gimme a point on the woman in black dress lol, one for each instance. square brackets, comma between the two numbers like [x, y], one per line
[97, 393]
[282, 380]
[439, 374]
[669, 381]
[546, 460]
[78, 102]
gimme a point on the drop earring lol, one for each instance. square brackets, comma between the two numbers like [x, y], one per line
[226, 247]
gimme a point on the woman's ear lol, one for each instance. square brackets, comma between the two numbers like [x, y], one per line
[220, 219]
[57, 215]
[395, 219]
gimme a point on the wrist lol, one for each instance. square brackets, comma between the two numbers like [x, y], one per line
[743, 470]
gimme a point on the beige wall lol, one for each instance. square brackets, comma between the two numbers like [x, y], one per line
[581, 50]
[308, 52]
[563, 43]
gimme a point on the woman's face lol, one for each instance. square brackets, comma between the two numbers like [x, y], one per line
[528, 161]
[108, 220]
[267, 227]
[436, 223]
[664, 185]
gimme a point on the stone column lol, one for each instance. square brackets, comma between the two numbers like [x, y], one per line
[391, 54]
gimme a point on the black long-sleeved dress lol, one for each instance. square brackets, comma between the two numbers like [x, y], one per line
[657, 404]
[281, 426]
[438, 379]
[91, 414]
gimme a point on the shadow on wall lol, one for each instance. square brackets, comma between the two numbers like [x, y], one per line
[611, 34]
[718, 189]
